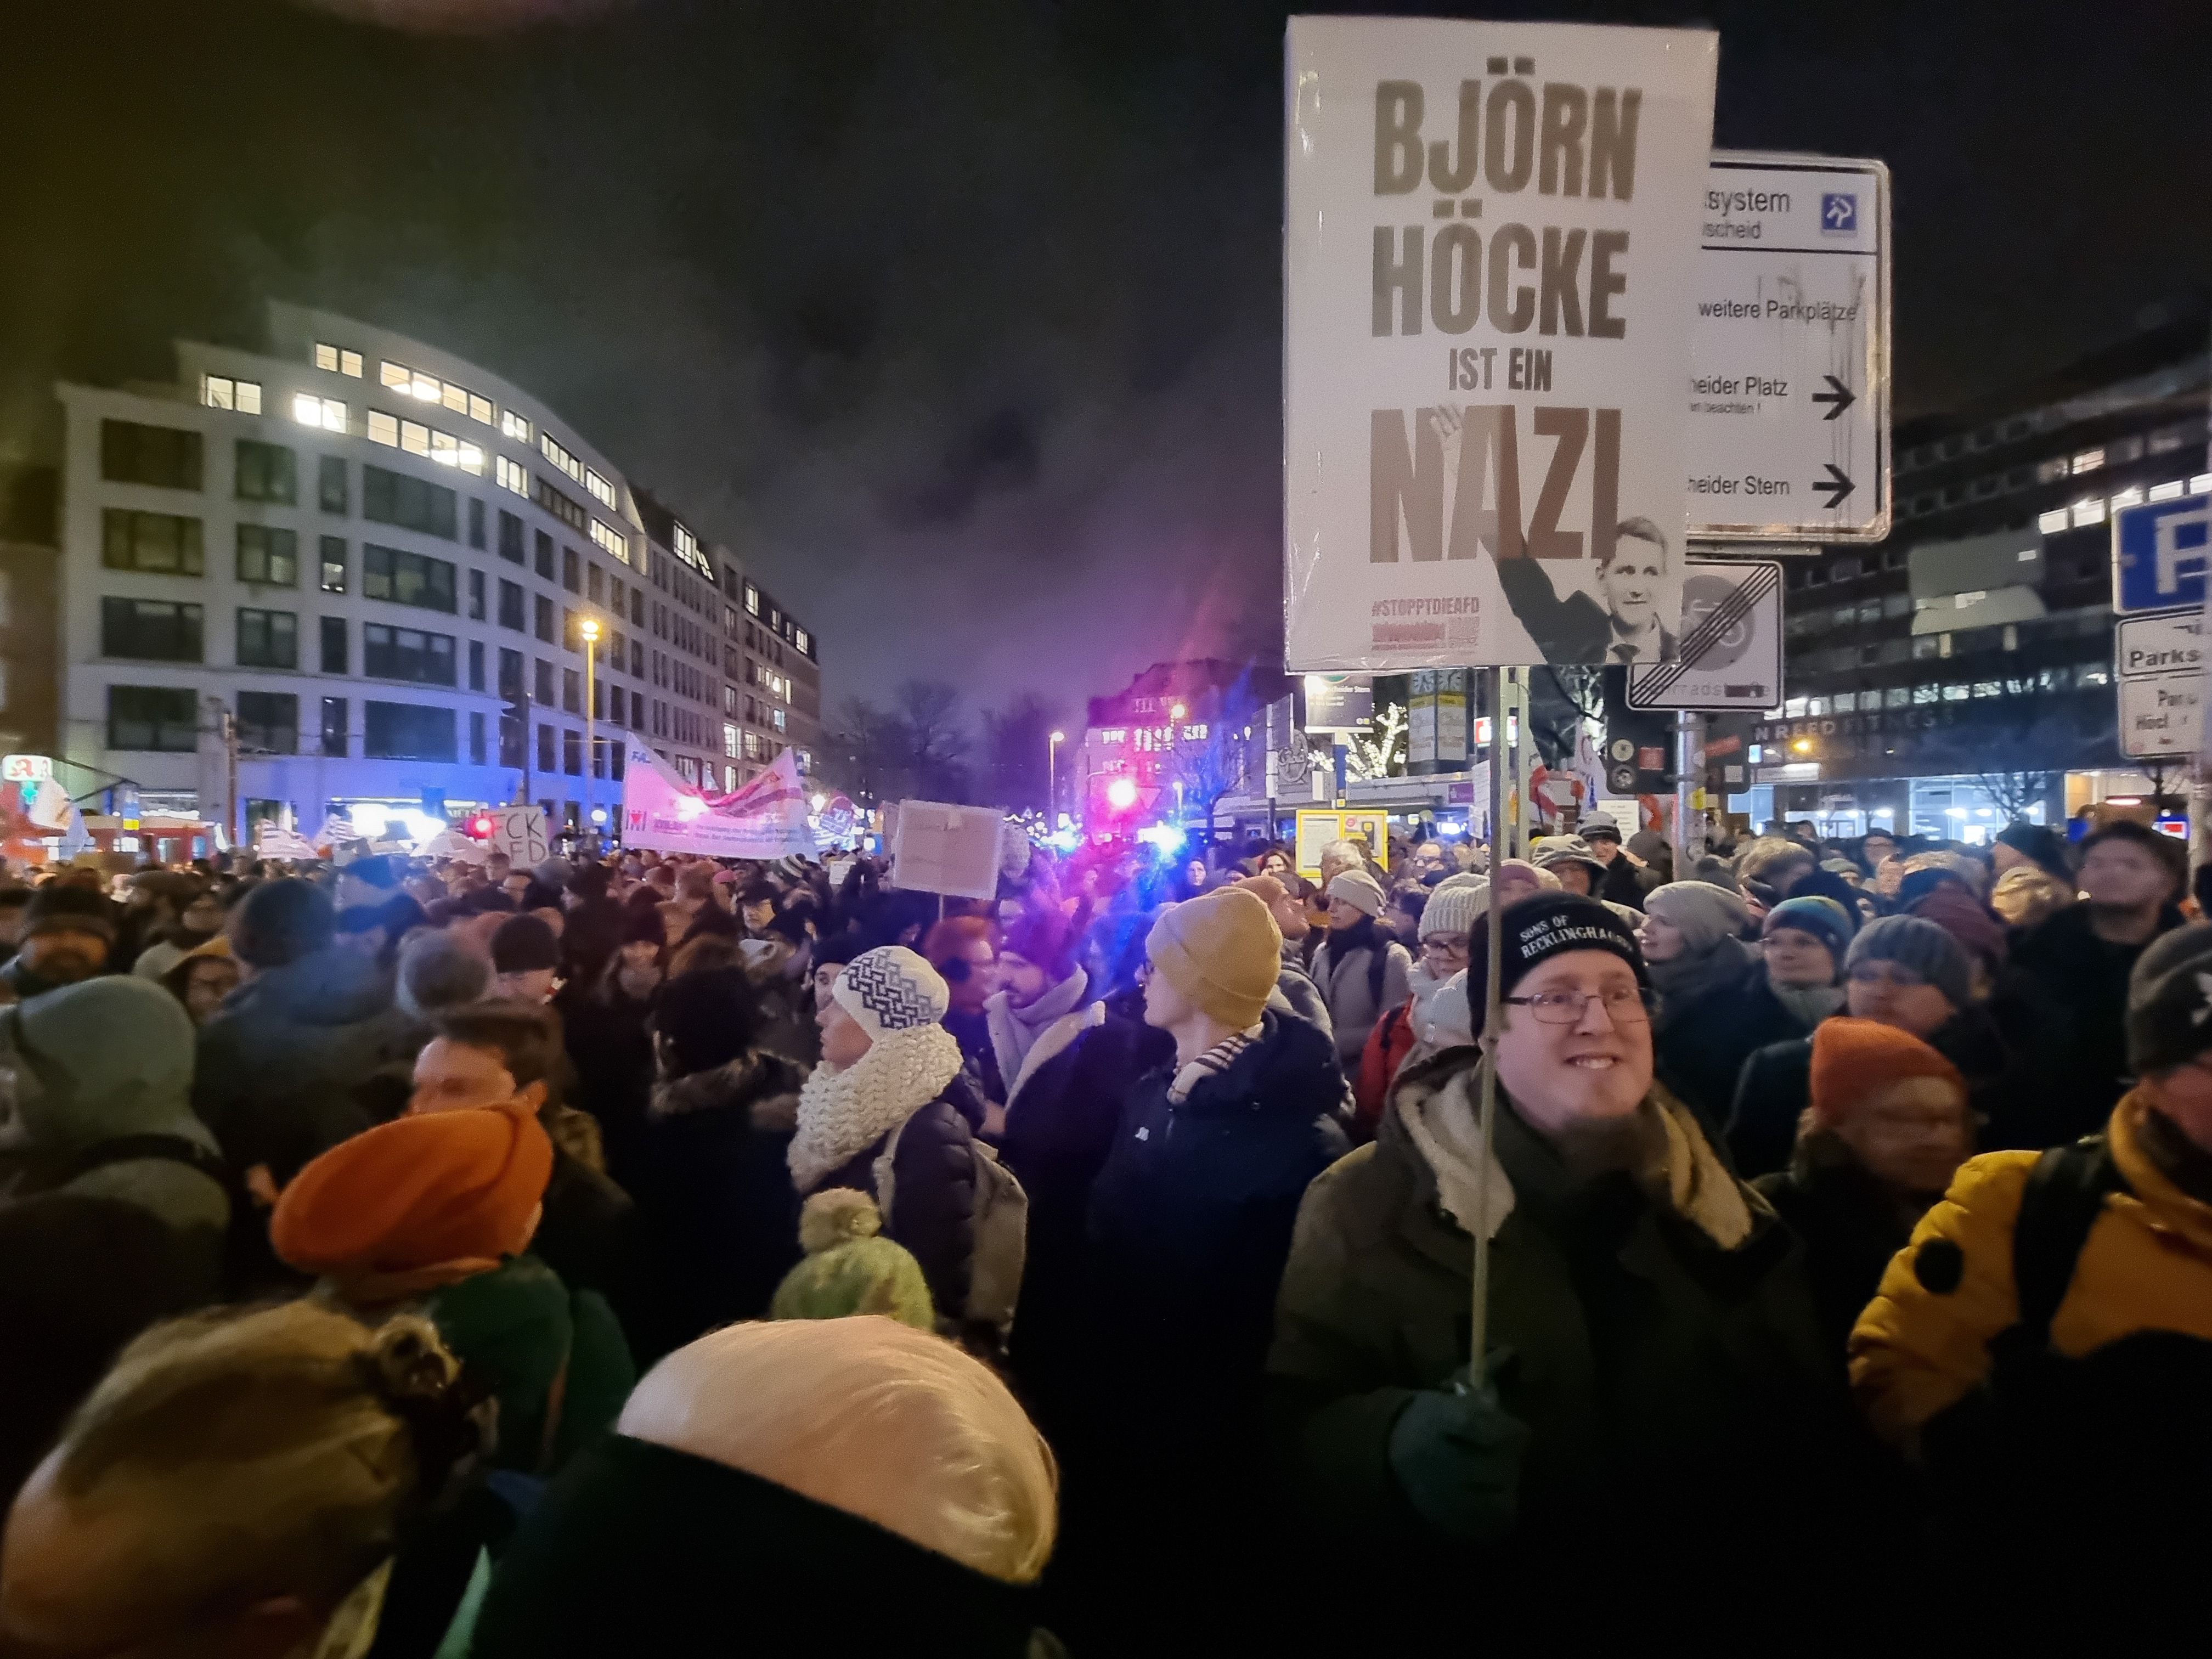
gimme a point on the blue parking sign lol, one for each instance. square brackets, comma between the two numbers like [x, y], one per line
[2160, 553]
[1839, 212]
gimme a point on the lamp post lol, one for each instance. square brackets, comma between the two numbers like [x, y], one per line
[589, 628]
[1051, 781]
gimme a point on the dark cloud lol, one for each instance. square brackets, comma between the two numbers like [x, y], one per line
[963, 322]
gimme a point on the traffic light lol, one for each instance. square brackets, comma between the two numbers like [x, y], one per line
[1640, 745]
[479, 826]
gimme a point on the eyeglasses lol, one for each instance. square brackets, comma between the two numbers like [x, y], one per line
[1624, 1005]
[1897, 979]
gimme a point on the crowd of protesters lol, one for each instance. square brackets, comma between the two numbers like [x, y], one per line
[650, 1254]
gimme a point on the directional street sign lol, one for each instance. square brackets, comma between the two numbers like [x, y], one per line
[2155, 642]
[1731, 650]
[1788, 394]
[2162, 717]
[2159, 555]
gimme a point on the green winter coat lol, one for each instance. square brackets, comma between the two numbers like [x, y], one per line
[1661, 1342]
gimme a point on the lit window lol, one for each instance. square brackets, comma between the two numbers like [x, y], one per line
[383, 428]
[445, 449]
[511, 425]
[425, 388]
[803, 643]
[1794, 708]
[612, 540]
[2170, 491]
[2088, 461]
[221, 392]
[414, 437]
[752, 600]
[511, 475]
[2201, 484]
[1988, 689]
[730, 741]
[2131, 496]
[479, 409]
[456, 398]
[350, 363]
[327, 413]
[2088, 513]
[326, 357]
[1954, 693]
[2092, 673]
[2053, 521]
[560, 457]
[395, 374]
[606, 493]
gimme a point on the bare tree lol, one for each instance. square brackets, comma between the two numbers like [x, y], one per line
[936, 740]
[1205, 769]
[863, 752]
[1017, 740]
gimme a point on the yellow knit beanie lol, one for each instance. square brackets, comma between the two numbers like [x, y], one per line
[1222, 951]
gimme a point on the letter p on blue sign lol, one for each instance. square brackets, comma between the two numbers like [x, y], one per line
[1839, 212]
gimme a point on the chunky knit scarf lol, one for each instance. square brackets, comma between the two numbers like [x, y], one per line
[842, 1113]
[1014, 1031]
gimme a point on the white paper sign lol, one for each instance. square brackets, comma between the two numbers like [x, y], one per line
[953, 850]
[519, 832]
[1489, 263]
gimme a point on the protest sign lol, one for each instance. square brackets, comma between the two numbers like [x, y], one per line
[953, 850]
[519, 832]
[766, 819]
[1490, 258]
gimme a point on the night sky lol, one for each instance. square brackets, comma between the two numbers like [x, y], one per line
[961, 321]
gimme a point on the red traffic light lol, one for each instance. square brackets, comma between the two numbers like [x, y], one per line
[479, 827]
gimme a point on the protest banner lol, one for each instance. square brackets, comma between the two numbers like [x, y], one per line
[1490, 258]
[766, 819]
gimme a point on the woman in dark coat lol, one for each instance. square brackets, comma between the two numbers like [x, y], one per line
[718, 1221]
[1707, 1021]
[889, 1113]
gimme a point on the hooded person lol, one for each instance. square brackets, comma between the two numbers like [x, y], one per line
[717, 1217]
[1362, 972]
[1889, 1126]
[199, 919]
[69, 935]
[1190, 1221]
[2043, 1346]
[1658, 1395]
[1571, 861]
[605, 1023]
[1626, 875]
[775, 1482]
[296, 1059]
[102, 1072]
[201, 978]
[1708, 1021]
[434, 1212]
[889, 1069]
[1446, 925]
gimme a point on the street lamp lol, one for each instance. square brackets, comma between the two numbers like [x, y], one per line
[589, 628]
[1051, 781]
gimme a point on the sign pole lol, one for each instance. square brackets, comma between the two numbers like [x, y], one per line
[1689, 762]
[1478, 1328]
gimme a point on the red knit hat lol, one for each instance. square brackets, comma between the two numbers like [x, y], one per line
[1853, 1058]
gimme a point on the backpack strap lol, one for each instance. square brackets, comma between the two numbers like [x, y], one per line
[130, 1149]
[2065, 1194]
[885, 1180]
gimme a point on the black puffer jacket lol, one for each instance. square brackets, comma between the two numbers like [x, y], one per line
[932, 1209]
[1700, 1051]
[717, 1220]
[1191, 1217]
[290, 1064]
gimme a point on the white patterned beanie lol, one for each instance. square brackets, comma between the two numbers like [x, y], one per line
[892, 988]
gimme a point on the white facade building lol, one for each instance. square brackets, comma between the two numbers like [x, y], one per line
[376, 557]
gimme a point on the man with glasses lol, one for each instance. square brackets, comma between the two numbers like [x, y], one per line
[1903, 971]
[1646, 1313]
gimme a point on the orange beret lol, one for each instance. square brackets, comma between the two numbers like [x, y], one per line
[415, 1194]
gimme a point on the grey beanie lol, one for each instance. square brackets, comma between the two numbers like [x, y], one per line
[2170, 1001]
[436, 971]
[1453, 907]
[1919, 944]
[1717, 871]
[1702, 914]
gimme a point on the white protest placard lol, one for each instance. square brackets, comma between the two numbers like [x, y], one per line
[953, 850]
[519, 832]
[1788, 397]
[1489, 254]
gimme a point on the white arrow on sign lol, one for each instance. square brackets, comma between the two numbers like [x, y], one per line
[1788, 394]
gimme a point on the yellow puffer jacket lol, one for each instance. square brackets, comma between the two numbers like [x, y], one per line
[2147, 1266]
